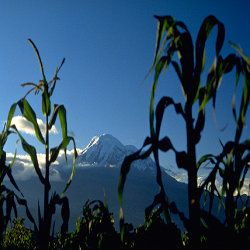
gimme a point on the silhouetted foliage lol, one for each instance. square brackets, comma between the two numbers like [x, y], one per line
[8, 198]
[173, 38]
[94, 230]
[44, 225]
[156, 233]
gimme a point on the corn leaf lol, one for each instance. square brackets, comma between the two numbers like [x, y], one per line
[39, 59]
[53, 83]
[241, 53]
[30, 115]
[31, 150]
[63, 120]
[54, 115]
[204, 32]
[46, 105]
[164, 24]
[10, 115]
[73, 166]
[125, 168]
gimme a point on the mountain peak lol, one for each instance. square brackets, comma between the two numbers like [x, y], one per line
[104, 138]
[107, 151]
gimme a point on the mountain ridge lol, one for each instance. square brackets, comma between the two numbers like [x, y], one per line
[97, 175]
[107, 151]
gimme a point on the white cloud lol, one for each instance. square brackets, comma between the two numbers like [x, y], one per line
[25, 126]
[181, 176]
[23, 168]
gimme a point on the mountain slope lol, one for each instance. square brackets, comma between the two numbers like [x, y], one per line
[101, 183]
[97, 174]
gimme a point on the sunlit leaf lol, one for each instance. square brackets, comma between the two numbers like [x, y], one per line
[32, 153]
[46, 106]
[30, 115]
[10, 115]
[63, 120]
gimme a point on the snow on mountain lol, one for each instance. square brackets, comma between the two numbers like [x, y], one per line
[107, 151]
[97, 177]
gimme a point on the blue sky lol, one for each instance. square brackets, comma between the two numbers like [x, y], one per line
[109, 47]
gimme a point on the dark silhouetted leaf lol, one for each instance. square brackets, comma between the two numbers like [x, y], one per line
[165, 144]
[54, 115]
[205, 29]
[39, 58]
[65, 213]
[164, 24]
[12, 180]
[73, 167]
[160, 108]
[182, 159]
[204, 158]
[53, 83]
[241, 53]
[55, 151]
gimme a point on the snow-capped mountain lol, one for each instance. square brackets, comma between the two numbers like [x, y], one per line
[96, 177]
[107, 151]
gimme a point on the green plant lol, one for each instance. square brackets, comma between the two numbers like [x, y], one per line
[236, 153]
[95, 230]
[18, 237]
[232, 164]
[7, 196]
[46, 88]
[173, 38]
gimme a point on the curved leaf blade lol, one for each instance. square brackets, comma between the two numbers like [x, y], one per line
[39, 58]
[46, 105]
[31, 150]
[63, 120]
[30, 115]
[204, 32]
[73, 166]
[10, 115]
